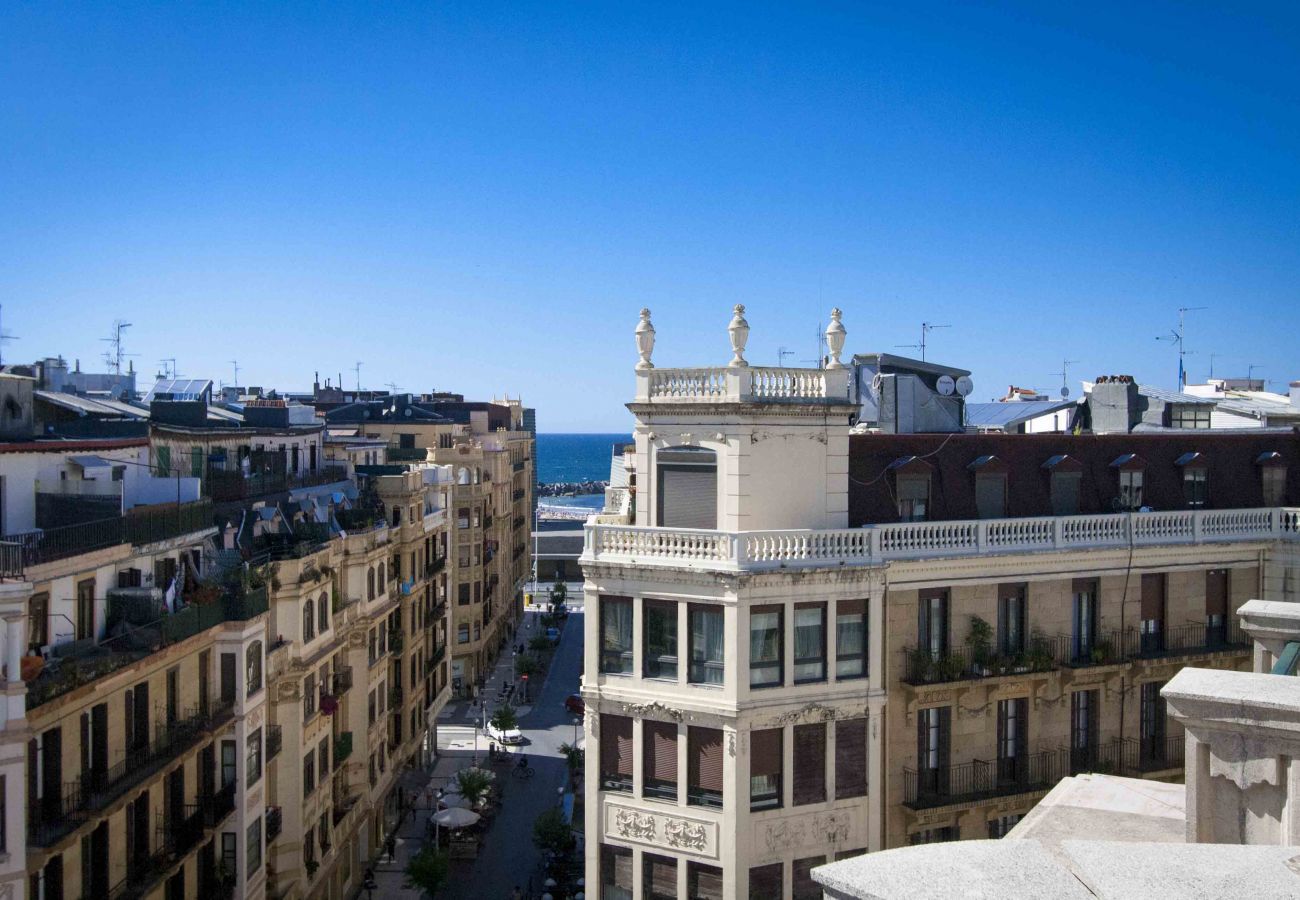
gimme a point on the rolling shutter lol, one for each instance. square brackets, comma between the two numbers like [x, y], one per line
[703, 882]
[659, 877]
[850, 758]
[616, 745]
[765, 882]
[809, 763]
[765, 752]
[661, 751]
[1216, 592]
[706, 759]
[1153, 597]
[688, 497]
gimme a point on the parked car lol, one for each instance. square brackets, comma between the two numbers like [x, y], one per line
[573, 704]
[509, 736]
[553, 635]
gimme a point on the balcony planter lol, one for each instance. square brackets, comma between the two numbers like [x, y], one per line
[329, 704]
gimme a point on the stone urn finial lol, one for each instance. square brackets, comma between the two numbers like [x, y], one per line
[645, 341]
[739, 331]
[835, 339]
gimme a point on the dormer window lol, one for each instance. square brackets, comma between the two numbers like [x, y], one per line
[1272, 473]
[1066, 474]
[912, 488]
[1129, 471]
[1196, 483]
[990, 487]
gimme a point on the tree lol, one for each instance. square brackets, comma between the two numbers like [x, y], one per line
[504, 718]
[559, 593]
[539, 643]
[427, 870]
[474, 784]
[573, 758]
[551, 832]
[527, 665]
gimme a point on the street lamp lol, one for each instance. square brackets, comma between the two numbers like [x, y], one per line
[577, 723]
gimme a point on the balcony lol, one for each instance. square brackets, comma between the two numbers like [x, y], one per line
[924, 667]
[1130, 757]
[745, 551]
[342, 748]
[219, 805]
[342, 808]
[517, 466]
[396, 640]
[982, 779]
[180, 837]
[518, 522]
[342, 680]
[143, 525]
[487, 520]
[227, 485]
[434, 567]
[518, 494]
[274, 741]
[395, 697]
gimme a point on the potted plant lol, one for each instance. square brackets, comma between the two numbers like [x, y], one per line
[1039, 657]
[951, 667]
[979, 644]
[427, 870]
[1101, 652]
[920, 665]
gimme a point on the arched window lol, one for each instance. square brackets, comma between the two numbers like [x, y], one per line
[308, 621]
[254, 668]
[323, 613]
[383, 582]
[370, 583]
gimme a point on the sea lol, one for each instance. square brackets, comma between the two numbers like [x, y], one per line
[575, 457]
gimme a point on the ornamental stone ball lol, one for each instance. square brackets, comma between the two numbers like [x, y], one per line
[835, 339]
[739, 331]
[645, 340]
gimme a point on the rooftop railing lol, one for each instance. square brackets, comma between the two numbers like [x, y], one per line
[753, 384]
[807, 548]
[142, 525]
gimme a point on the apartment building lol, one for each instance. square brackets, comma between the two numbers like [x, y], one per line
[803, 644]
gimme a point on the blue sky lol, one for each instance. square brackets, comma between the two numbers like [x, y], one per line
[481, 197]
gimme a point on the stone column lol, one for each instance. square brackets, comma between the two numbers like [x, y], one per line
[16, 632]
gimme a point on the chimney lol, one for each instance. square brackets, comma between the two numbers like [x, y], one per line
[1114, 404]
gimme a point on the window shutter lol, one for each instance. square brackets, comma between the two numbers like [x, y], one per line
[1216, 592]
[991, 495]
[688, 498]
[706, 758]
[704, 882]
[1153, 597]
[660, 741]
[945, 736]
[809, 763]
[850, 758]
[913, 487]
[804, 888]
[659, 877]
[765, 752]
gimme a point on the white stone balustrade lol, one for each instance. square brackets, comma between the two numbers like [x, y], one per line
[751, 384]
[797, 548]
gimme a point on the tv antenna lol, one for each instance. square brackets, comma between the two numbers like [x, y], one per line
[4, 336]
[1065, 375]
[926, 328]
[392, 387]
[1176, 338]
[169, 371]
[1213, 357]
[235, 363]
[115, 354]
[357, 369]
[781, 354]
[1250, 373]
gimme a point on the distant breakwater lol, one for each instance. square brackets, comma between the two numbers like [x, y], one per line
[571, 488]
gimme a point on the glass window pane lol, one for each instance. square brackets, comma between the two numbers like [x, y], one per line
[706, 645]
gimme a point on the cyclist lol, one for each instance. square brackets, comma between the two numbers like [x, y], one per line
[523, 762]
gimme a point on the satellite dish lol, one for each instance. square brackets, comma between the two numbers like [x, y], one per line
[965, 385]
[946, 385]
[876, 381]
[1065, 392]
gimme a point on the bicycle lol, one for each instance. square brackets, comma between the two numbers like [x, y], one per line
[524, 772]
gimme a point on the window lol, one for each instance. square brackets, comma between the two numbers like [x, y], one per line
[308, 697]
[1084, 711]
[991, 495]
[935, 835]
[809, 642]
[765, 765]
[933, 740]
[850, 639]
[659, 759]
[308, 621]
[687, 495]
[660, 639]
[462, 594]
[308, 774]
[382, 581]
[85, 624]
[616, 753]
[322, 613]
[809, 764]
[615, 873]
[1013, 726]
[228, 764]
[766, 882]
[658, 877]
[1189, 415]
[253, 668]
[1273, 480]
[1083, 637]
[254, 848]
[1196, 486]
[254, 766]
[1130, 489]
[163, 456]
[707, 666]
[1011, 619]
[373, 709]
[766, 645]
[1152, 750]
[804, 888]
[370, 583]
[703, 882]
[704, 754]
[38, 622]
[999, 827]
[850, 758]
[1065, 493]
[1216, 607]
[323, 758]
[616, 635]
[932, 624]
[1152, 625]
[913, 497]
[462, 633]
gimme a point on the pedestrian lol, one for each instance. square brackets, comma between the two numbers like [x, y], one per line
[390, 845]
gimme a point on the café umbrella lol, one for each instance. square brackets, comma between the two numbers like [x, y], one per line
[453, 818]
